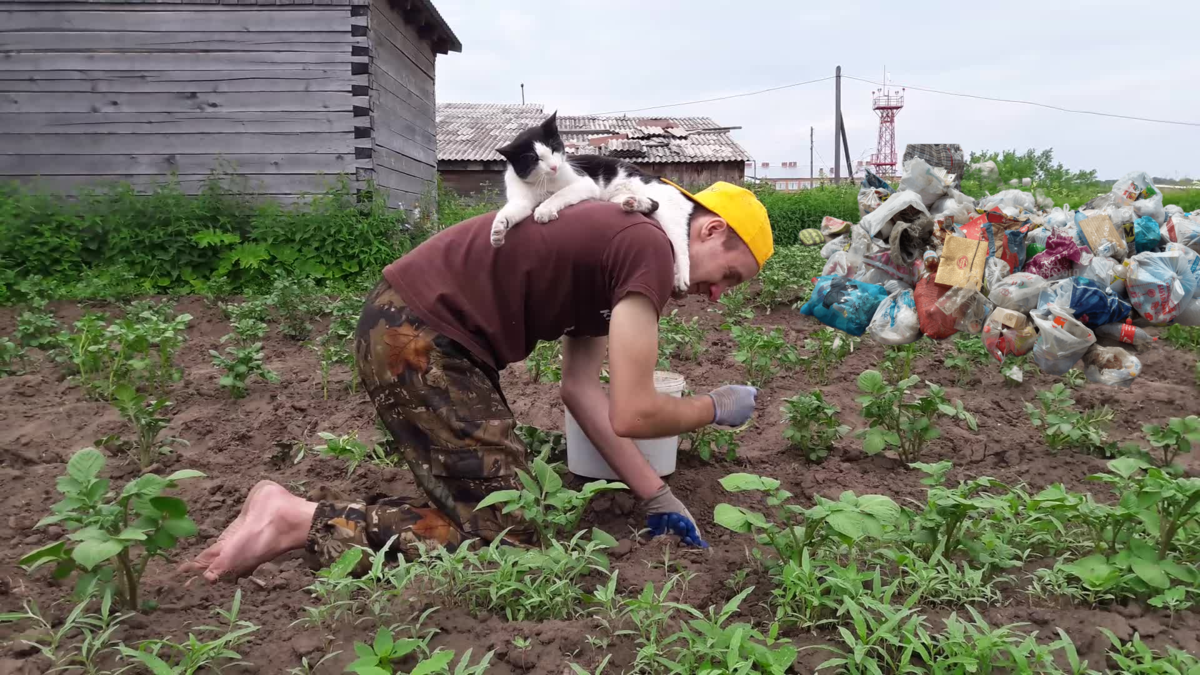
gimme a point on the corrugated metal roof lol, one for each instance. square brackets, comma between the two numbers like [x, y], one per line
[473, 131]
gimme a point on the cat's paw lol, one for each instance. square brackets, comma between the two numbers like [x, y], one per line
[499, 228]
[682, 283]
[636, 204]
[545, 214]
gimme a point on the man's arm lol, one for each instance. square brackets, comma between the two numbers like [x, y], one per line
[637, 410]
[582, 394]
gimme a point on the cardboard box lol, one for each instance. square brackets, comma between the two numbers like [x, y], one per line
[1099, 229]
[962, 263]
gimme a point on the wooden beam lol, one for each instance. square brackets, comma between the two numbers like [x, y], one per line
[266, 184]
[185, 21]
[117, 144]
[141, 164]
[33, 102]
[157, 41]
[162, 123]
[180, 81]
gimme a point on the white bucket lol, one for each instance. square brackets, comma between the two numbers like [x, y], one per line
[584, 460]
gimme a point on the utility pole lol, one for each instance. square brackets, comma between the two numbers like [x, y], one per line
[837, 127]
[522, 93]
[811, 175]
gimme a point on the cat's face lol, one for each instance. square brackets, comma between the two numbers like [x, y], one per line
[536, 153]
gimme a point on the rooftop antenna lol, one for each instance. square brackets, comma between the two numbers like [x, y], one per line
[522, 93]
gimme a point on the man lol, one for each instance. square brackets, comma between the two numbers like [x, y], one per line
[454, 311]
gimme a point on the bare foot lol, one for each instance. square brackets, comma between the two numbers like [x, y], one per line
[273, 521]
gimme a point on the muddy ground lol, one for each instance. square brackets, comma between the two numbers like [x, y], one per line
[44, 419]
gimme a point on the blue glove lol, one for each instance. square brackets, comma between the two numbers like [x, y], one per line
[733, 404]
[666, 514]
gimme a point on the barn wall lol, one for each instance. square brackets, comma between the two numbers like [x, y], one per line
[93, 92]
[477, 179]
[699, 174]
[403, 110]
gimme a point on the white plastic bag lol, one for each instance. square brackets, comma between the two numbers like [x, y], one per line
[1062, 340]
[994, 271]
[1183, 230]
[926, 181]
[895, 321]
[1134, 185]
[1059, 216]
[1159, 284]
[1112, 366]
[878, 223]
[1153, 207]
[869, 199]
[954, 208]
[1012, 202]
[1018, 292]
[834, 245]
[1173, 210]
[1120, 215]
[1107, 272]
[840, 264]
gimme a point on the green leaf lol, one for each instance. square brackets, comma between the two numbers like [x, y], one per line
[45, 554]
[1181, 572]
[1126, 467]
[156, 665]
[741, 482]
[498, 497]
[603, 538]
[870, 381]
[174, 507]
[345, 564]
[1151, 573]
[185, 473]
[132, 534]
[94, 551]
[847, 523]
[738, 519]
[180, 527]
[437, 661]
[880, 506]
[383, 643]
[85, 465]
[874, 441]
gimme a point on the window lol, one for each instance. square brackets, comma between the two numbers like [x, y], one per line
[793, 185]
[781, 185]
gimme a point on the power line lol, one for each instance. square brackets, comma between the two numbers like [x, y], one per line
[719, 98]
[1033, 103]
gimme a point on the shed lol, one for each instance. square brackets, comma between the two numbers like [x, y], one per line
[288, 93]
[688, 150]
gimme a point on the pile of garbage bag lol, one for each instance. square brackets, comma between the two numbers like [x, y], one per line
[1047, 282]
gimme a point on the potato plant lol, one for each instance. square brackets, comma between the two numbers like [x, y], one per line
[711, 441]
[143, 414]
[763, 354]
[544, 364]
[1064, 427]
[11, 354]
[826, 348]
[240, 364]
[112, 537]
[545, 502]
[894, 421]
[812, 425]
[678, 338]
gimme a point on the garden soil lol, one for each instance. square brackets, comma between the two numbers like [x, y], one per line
[44, 420]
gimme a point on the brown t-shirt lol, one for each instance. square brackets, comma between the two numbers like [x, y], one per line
[560, 278]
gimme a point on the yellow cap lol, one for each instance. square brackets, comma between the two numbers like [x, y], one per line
[742, 210]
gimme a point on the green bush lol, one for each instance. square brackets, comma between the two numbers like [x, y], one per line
[791, 212]
[1188, 200]
[166, 239]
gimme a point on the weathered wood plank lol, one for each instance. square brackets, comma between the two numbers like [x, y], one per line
[262, 183]
[401, 69]
[186, 21]
[144, 5]
[137, 41]
[118, 144]
[388, 112]
[398, 199]
[161, 123]
[383, 157]
[381, 80]
[395, 142]
[150, 164]
[201, 81]
[191, 61]
[33, 102]
[386, 25]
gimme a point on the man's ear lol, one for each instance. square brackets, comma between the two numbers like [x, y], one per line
[712, 226]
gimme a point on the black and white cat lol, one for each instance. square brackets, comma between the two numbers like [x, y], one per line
[543, 181]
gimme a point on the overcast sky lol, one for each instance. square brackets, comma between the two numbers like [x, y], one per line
[1116, 57]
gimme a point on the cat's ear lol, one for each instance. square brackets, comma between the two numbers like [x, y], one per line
[506, 151]
[551, 123]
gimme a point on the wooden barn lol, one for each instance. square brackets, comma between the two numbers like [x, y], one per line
[691, 151]
[288, 93]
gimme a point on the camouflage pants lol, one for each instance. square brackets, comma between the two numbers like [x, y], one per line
[452, 424]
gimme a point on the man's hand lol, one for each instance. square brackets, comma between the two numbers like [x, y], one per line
[734, 404]
[666, 514]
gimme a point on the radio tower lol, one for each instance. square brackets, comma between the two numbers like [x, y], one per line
[886, 103]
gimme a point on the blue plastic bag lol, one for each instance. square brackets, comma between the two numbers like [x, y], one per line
[1146, 236]
[1092, 304]
[844, 304]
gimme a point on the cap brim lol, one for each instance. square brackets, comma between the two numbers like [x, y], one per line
[685, 192]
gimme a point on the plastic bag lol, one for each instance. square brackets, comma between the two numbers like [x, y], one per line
[969, 307]
[1151, 208]
[1018, 292]
[844, 304]
[1135, 185]
[994, 271]
[1184, 230]
[1012, 202]
[1058, 217]
[869, 200]
[834, 245]
[1008, 333]
[935, 324]
[1106, 272]
[954, 208]
[905, 205]
[1173, 210]
[1191, 264]
[895, 286]
[1061, 340]
[926, 181]
[1111, 365]
[1159, 284]
[1091, 304]
[1189, 314]
[1056, 261]
[895, 321]
[1146, 235]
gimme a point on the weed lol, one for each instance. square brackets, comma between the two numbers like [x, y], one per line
[306, 669]
[354, 451]
[295, 302]
[875, 639]
[787, 276]
[735, 307]
[545, 502]
[95, 633]
[706, 644]
[764, 355]
[827, 348]
[1016, 369]
[1074, 378]
[246, 331]
[194, 655]
[1183, 337]
[10, 354]
[541, 443]
[39, 330]
[544, 363]
[898, 360]
[905, 426]
[104, 534]
[240, 365]
[677, 337]
[143, 415]
[1174, 439]
[1063, 427]
[812, 425]
[711, 441]
[1135, 658]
